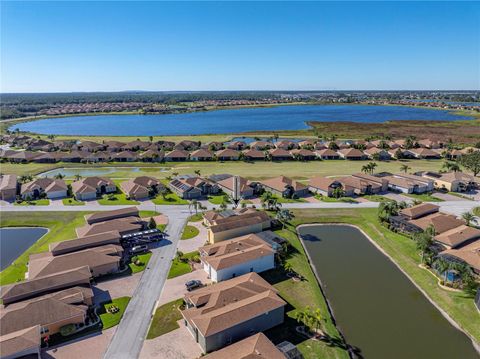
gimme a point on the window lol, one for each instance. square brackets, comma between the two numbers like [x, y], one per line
[44, 330]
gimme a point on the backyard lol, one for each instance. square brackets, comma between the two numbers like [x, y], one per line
[112, 311]
[165, 319]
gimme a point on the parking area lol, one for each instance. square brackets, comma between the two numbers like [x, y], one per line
[175, 287]
[114, 288]
[178, 344]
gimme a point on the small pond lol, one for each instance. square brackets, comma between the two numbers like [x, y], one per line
[15, 241]
[99, 171]
[377, 308]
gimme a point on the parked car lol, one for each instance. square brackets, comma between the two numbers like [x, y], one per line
[139, 249]
[193, 284]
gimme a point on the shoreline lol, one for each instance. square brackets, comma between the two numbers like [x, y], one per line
[475, 344]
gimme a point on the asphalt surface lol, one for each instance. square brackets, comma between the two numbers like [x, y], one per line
[129, 335]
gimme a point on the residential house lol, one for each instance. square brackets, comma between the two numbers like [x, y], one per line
[214, 146]
[52, 188]
[114, 146]
[126, 225]
[382, 181]
[360, 185]
[220, 314]
[136, 145]
[227, 185]
[261, 145]
[237, 145]
[423, 153]
[152, 155]
[453, 181]
[284, 187]
[279, 154]
[237, 256]
[207, 187]
[237, 225]
[327, 186]
[307, 144]
[77, 244]
[142, 187]
[407, 183]
[351, 154]
[201, 155]
[189, 145]
[286, 145]
[184, 190]
[22, 156]
[90, 187]
[458, 236]
[468, 254]
[8, 187]
[113, 214]
[125, 156]
[257, 346]
[377, 153]
[428, 143]
[254, 155]
[327, 154]
[91, 146]
[176, 156]
[303, 154]
[227, 155]
[75, 156]
[24, 343]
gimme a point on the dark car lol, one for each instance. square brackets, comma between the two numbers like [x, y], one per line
[193, 284]
[139, 249]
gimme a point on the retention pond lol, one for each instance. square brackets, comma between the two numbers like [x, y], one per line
[15, 241]
[376, 307]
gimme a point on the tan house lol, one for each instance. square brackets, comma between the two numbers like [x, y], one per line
[257, 346]
[469, 254]
[141, 187]
[327, 154]
[226, 312]
[8, 187]
[327, 186]
[176, 156]
[227, 155]
[453, 181]
[254, 155]
[279, 154]
[362, 185]
[407, 183]
[284, 187]
[201, 155]
[90, 187]
[303, 154]
[125, 225]
[458, 236]
[382, 181]
[184, 190]
[261, 145]
[96, 240]
[52, 188]
[351, 154]
[24, 343]
[109, 215]
[227, 186]
[374, 153]
[238, 225]
[423, 153]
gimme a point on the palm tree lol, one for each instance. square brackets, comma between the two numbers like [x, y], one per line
[287, 267]
[197, 172]
[193, 204]
[386, 209]
[469, 217]
[284, 216]
[77, 177]
[424, 242]
[405, 168]
[442, 267]
[365, 169]
[174, 174]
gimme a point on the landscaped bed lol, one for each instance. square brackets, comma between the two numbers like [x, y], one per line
[36, 202]
[165, 319]
[111, 312]
[139, 262]
[181, 266]
[189, 232]
[72, 202]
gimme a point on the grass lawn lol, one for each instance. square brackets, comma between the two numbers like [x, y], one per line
[196, 217]
[72, 202]
[190, 232]
[144, 258]
[117, 199]
[110, 320]
[216, 199]
[425, 197]
[37, 202]
[458, 305]
[290, 200]
[251, 170]
[376, 198]
[165, 319]
[332, 199]
[460, 195]
[170, 198]
[476, 211]
[180, 268]
[62, 227]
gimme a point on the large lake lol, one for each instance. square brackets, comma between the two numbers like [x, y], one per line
[375, 305]
[15, 241]
[228, 121]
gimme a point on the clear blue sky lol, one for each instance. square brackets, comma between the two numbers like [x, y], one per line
[88, 46]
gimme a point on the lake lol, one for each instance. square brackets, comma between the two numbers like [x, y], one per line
[99, 171]
[376, 306]
[228, 121]
[15, 241]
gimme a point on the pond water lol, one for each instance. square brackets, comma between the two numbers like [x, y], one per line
[99, 171]
[228, 121]
[375, 305]
[15, 241]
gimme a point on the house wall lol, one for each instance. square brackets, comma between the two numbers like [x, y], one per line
[320, 191]
[85, 196]
[242, 330]
[57, 194]
[232, 233]
[257, 265]
[8, 194]
[105, 269]
[54, 328]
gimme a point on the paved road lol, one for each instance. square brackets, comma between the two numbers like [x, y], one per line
[130, 333]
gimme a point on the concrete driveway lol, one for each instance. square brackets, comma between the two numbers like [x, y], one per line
[192, 244]
[175, 288]
[118, 287]
[178, 344]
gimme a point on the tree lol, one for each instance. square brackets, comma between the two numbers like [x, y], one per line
[197, 172]
[404, 168]
[469, 217]
[59, 176]
[471, 161]
[150, 138]
[338, 192]
[152, 224]
[451, 166]
[77, 177]
[163, 192]
[424, 243]
[174, 174]
[287, 267]
[193, 204]
[442, 267]
[284, 216]
[386, 209]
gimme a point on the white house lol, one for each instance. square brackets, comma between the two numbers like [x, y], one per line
[237, 256]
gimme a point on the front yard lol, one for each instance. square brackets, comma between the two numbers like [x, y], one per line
[165, 319]
[118, 198]
[189, 232]
[424, 197]
[36, 202]
[72, 202]
[117, 307]
[170, 198]
[181, 267]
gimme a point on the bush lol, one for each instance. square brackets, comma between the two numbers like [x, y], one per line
[67, 330]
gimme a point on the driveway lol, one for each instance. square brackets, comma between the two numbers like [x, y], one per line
[115, 288]
[448, 197]
[398, 197]
[192, 244]
[178, 344]
[93, 346]
[175, 288]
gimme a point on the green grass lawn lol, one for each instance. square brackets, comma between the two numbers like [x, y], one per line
[110, 320]
[334, 200]
[165, 319]
[196, 217]
[476, 211]
[37, 202]
[144, 258]
[62, 227]
[290, 200]
[117, 199]
[190, 232]
[170, 198]
[458, 305]
[376, 198]
[425, 197]
[72, 202]
[179, 268]
[216, 199]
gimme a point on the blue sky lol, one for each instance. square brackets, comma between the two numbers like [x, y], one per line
[115, 46]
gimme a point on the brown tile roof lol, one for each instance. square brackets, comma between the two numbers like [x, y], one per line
[90, 184]
[351, 152]
[424, 152]
[46, 263]
[358, 183]
[122, 225]
[20, 341]
[40, 285]
[39, 312]
[457, 236]
[177, 154]
[254, 153]
[235, 251]
[327, 153]
[114, 214]
[441, 222]
[239, 221]
[279, 152]
[229, 303]
[228, 183]
[257, 346]
[8, 182]
[47, 184]
[77, 244]
[139, 185]
[322, 183]
[227, 153]
[202, 153]
[469, 254]
[303, 152]
[419, 210]
[281, 182]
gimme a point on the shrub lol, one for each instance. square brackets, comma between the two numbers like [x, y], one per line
[67, 330]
